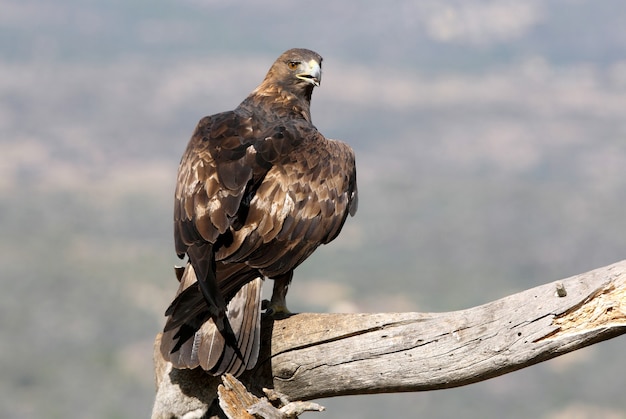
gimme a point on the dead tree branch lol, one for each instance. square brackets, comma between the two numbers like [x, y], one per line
[321, 355]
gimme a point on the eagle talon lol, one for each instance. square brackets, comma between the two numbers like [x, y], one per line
[275, 310]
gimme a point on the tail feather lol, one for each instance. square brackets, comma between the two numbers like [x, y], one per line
[191, 337]
[244, 313]
[202, 258]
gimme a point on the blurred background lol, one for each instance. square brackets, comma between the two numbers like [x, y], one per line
[491, 150]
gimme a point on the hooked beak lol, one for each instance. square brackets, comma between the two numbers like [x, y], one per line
[312, 73]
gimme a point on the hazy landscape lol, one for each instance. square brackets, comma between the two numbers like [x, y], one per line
[491, 152]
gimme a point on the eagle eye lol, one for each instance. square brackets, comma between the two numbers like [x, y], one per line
[292, 65]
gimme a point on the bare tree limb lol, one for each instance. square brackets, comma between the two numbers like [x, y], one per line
[321, 355]
[237, 403]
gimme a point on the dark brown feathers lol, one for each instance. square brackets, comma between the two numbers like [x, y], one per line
[259, 189]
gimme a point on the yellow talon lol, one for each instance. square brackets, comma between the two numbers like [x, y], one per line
[275, 310]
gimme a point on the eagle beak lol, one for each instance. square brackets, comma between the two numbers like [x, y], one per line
[312, 73]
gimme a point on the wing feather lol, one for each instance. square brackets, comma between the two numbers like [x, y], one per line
[214, 175]
[314, 209]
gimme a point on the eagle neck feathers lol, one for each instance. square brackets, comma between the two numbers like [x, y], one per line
[273, 100]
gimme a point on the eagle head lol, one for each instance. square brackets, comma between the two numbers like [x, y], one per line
[296, 72]
[300, 66]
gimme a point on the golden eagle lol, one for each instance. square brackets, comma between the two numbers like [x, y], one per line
[259, 189]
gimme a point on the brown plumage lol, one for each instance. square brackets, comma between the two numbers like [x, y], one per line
[259, 189]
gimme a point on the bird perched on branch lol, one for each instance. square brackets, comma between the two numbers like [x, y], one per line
[259, 189]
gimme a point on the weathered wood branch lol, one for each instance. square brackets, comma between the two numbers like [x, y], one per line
[309, 356]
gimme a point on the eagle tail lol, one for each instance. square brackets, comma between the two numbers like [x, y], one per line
[193, 338]
[202, 258]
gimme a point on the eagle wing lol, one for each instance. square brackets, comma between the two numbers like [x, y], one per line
[250, 191]
[215, 175]
[302, 202]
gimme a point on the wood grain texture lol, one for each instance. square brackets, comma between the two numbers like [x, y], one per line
[320, 355]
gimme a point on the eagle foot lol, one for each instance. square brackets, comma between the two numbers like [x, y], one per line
[273, 309]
